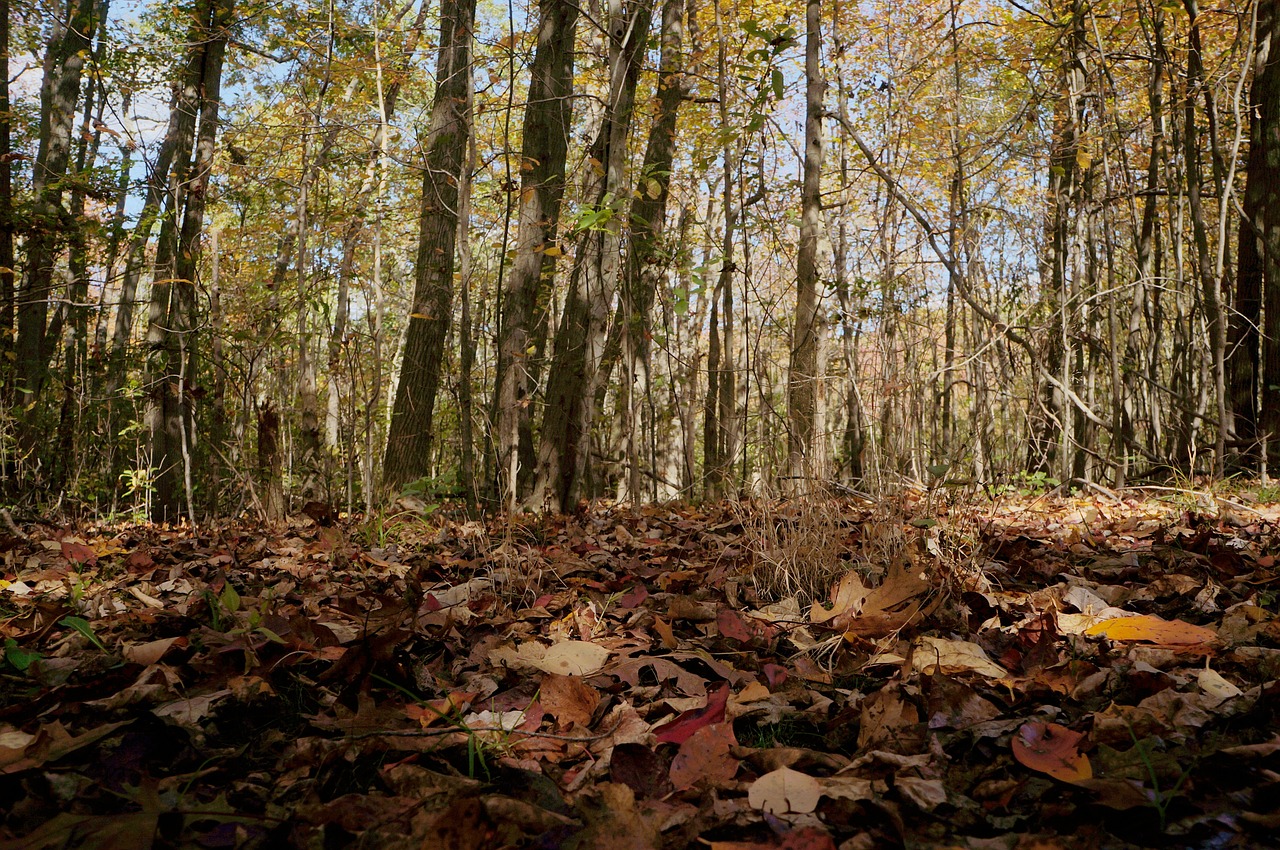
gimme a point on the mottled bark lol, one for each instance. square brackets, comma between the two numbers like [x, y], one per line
[542, 165]
[171, 332]
[410, 436]
[803, 457]
[64, 62]
[563, 451]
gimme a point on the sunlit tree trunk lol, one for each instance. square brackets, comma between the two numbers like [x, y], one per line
[410, 437]
[67, 52]
[546, 137]
[802, 407]
[647, 257]
[564, 447]
[8, 294]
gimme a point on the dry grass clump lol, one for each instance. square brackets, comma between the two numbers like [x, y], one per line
[802, 547]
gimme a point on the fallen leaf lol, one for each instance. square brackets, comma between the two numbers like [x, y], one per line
[677, 731]
[1052, 749]
[785, 791]
[704, 758]
[934, 655]
[569, 699]
[847, 597]
[1152, 629]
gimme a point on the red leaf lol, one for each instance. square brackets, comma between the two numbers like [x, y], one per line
[731, 626]
[679, 730]
[78, 553]
[775, 675]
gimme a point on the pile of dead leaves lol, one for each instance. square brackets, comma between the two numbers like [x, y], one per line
[1042, 674]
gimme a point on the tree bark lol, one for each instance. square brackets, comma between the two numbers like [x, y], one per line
[410, 435]
[803, 461]
[171, 328]
[1260, 234]
[8, 294]
[1258, 256]
[546, 136]
[563, 451]
[68, 49]
[647, 258]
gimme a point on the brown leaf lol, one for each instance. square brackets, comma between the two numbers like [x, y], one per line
[730, 625]
[704, 758]
[569, 699]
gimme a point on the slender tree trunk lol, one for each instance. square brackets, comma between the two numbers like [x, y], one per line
[546, 135]
[68, 49]
[563, 452]
[647, 257]
[1210, 290]
[410, 437]
[8, 294]
[1258, 255]
[803, 461]
[171, 331]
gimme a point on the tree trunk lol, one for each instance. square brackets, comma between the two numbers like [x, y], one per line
[563, 451]
[1262, 202]
[68, 49]
[803, 461]
[1210, 293]
[171, 330]
[1258, 256]
[410, 435]
[7, 293]
[546, 135]
[647, 258]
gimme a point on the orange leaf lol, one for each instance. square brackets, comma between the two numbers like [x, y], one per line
[1152, 629]
[1052, 749]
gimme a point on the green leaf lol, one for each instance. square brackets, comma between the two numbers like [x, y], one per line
[20, 659]
[777, 83]
[81, 625]
[229, 598]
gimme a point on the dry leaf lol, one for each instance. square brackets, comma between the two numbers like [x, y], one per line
[846, 597]
[785, 791]
[1052, 749]
[704, 758]
[953, 656]
[1152, 629]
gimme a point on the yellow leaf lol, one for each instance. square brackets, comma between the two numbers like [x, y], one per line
[1152, 629]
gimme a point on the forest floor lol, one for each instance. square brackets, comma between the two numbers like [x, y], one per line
[1029, 672]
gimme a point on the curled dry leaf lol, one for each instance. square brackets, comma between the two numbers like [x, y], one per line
[1052, 749]
[934, 655]
[846, 597]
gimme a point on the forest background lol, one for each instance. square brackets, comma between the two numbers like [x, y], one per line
[259, 255]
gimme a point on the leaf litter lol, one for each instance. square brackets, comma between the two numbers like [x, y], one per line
[1033, 673]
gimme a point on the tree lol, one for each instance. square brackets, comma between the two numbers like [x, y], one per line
[803, 452]
[547, 127]
[59, 94]
[563, 451]
[409, 438]
[171, 328]
[1259, 256]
